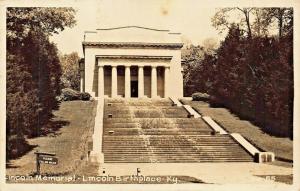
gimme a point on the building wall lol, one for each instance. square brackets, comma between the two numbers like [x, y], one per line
[176, 79]
[131, 35]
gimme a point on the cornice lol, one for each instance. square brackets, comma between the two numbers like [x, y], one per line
[133, 57]
[132, 45]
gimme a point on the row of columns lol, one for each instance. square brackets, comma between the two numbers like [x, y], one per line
[114, 83]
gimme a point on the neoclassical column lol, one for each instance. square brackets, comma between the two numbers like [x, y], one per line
[127, 82]
[153, 82]
[81, 68]
[101, 81]
[82, 81]
[141, 81]
[114, 81]
[166, 84]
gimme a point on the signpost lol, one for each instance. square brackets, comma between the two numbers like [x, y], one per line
[46, 158]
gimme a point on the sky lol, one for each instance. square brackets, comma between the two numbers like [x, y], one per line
[192, 19]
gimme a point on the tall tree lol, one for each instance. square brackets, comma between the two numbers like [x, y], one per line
[255, 21]
[283, 16]
[70, 70]
[221, 20]
[33, 70]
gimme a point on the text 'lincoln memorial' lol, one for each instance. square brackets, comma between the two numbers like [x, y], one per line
[132, 62]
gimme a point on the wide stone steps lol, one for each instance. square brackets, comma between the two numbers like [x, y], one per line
[171, 159]
[147, 131]
[165, 152]
[170, 151]
[162, 125]
[122, 132]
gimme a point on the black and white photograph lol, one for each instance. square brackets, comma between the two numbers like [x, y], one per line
[158, 94]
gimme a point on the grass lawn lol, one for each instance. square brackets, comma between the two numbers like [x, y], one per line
[282, 147]
[74, 122]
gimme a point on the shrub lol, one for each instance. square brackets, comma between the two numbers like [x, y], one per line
[16, 146]
[85, 96]
[200, 96]
[215, 102]
[68, 94]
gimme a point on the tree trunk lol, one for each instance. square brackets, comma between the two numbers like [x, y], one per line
[280, 26]
[248, 25]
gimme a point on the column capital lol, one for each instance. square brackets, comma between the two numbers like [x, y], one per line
[153, 66]
[127, 66]
[141, 66]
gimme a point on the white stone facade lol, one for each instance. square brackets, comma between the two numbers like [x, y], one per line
[132, 62]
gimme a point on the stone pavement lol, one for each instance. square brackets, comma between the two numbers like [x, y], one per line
[214, 173]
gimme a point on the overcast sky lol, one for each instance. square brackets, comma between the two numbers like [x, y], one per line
[192, 19]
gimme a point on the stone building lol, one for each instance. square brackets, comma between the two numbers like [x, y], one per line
[132, 61]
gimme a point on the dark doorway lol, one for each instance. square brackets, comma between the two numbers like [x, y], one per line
[134, 89]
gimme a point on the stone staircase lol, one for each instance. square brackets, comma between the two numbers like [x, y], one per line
[145, 130]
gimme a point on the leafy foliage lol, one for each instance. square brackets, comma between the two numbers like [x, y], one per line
[198, 69]
[200, 96]
[251, 76]
[255, 21]
[68, 94]
[70, 71]
[33, 70]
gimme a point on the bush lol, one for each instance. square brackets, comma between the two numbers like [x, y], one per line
[200, 96]
[68, 94]
[85, 96]
[215, 102]
[16, 146]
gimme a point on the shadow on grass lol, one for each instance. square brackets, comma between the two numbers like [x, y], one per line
[21, 148]
[52, 127]
[9, 165]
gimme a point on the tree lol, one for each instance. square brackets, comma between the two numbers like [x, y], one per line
[254, 78]
[33, 70]
[261, 23]
[222, 21]
[70, 71]
[230, 69]
[282, 16]
[198, 66]
[255, 21]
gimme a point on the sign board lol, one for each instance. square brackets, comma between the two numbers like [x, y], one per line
[44, 158]
[48, 160]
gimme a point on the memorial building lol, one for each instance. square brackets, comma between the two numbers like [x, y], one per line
[130, 62]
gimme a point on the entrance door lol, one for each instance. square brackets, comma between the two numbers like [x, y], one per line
[134, 89]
